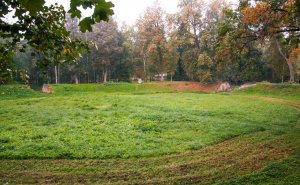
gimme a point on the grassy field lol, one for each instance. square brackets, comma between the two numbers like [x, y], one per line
[149, 134]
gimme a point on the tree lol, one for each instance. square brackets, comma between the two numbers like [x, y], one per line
[194, 34]
[236, 54]
[105, 37]
[269, 19]
[6, 64]
[185, 29]
[151, 30]
[43, 28]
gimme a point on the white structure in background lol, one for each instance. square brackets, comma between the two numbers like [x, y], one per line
[161, 76]
[140, 80]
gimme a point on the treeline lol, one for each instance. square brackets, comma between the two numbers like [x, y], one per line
[201, 42]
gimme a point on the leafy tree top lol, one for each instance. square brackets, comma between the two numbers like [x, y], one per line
[270, 17]
[43, 27]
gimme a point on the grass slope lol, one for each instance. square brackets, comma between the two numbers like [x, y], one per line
[236, 138]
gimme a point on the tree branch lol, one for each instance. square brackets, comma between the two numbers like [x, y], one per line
[288, 30]
[280, 50]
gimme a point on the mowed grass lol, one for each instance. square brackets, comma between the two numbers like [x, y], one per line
[149, 134]
[119, 121]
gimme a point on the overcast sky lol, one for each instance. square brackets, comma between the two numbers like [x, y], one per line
[128, 11]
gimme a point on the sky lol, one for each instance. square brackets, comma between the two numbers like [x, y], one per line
[128, 11]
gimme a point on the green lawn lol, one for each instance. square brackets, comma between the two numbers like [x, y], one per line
[124, 124]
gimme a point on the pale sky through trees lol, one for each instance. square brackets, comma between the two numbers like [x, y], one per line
[128, 11]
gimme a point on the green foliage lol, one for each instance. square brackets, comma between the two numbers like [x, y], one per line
[6, 64]
[205, 64]
[102, 11]
[44, 29]
[32, 6]
[86, 24]
[237, 56]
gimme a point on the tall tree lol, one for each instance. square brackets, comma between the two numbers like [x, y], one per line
[235, 51]
[269, 19]
[151, 30]
[106, 47]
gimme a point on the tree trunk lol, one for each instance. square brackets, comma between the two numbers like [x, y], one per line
[291, 70]
[105, 76]
[56, 75]
[288, 61]
[74, 78]
[144, 65]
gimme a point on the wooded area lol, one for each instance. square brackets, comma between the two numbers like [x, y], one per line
[204, 42]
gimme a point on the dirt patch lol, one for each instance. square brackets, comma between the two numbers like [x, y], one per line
[190, 86]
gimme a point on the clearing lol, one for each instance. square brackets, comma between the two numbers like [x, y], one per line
[153, 133]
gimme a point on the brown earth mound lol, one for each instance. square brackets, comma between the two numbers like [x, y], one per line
[190, 86]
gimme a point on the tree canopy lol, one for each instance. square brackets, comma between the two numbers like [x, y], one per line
[42, 28]
[203, 41]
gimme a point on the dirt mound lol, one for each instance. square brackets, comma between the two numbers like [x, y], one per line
[190, 86]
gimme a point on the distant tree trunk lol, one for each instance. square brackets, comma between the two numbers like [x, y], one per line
[144, 65]
[105, 75]
[56, 74]
[288, 61]
[95, 78]
[291, 70]
[87, 77]
[74, 78]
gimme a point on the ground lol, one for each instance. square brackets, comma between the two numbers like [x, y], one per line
[154, 133]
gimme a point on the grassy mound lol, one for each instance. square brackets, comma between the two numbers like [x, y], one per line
[286, 90]
[15, 91]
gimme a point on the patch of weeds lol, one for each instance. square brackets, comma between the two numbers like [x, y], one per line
[149, 127]
[49, 123]
[11, 128]
[152, 117]
[39, 136]
[88, 107]
[4, 140]
[65, 155]
[195, 146]
[278, 132]
[5, 148]
[258, 129]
